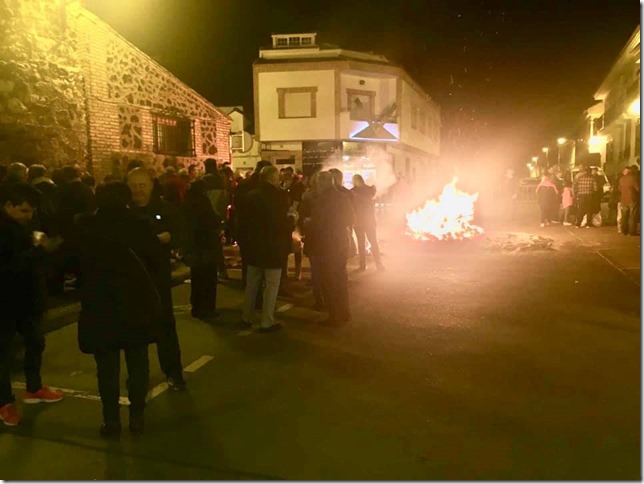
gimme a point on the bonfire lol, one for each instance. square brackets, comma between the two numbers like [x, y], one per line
[449, 217]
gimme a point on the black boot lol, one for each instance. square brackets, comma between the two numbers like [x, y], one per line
[111, 430]
[136, 423]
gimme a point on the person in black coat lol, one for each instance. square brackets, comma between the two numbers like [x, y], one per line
[120, 306]
[168, 226]
[24, 295]
[204, 228]
[269, 238]
[363, 197]
[331, 217]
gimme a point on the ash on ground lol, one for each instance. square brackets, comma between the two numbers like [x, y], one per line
[513, 243]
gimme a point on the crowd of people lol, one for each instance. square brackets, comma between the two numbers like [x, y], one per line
[115, 243]
[562, 199]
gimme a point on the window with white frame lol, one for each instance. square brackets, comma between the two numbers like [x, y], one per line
[361, 104]
[297, 102]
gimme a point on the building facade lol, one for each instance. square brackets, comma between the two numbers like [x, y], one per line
[72, 90]
[321, 105]
[245, 148]
[613, 122]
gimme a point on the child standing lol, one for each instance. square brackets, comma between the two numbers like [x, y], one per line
[567, 199]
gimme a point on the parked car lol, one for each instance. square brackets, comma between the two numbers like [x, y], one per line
[527, 188]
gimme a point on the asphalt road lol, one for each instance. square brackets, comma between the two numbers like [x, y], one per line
[463, 361]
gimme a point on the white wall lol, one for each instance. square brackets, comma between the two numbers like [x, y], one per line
[237, 121]
[430, 141]
[272, 128]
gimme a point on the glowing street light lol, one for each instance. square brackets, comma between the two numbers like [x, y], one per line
[634, 108]
[535, 159]
[561, 141]
[545, 149]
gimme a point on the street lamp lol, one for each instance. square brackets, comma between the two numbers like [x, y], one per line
[545, 149]
[560, 143]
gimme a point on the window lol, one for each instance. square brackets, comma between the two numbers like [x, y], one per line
[307, 41]
[361, 104]
[293, 41]
[422, 120]
[282, 43]
[173, 136]
[297, 102]
[414, 117]
[637, 138]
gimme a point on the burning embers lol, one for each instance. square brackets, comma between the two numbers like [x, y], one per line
[448, 218]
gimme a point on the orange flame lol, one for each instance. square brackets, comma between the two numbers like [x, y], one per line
[447, 218]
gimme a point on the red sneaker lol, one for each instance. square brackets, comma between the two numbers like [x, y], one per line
[45, 394]
[9, 415]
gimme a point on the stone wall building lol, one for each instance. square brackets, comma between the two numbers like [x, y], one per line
[73, 90]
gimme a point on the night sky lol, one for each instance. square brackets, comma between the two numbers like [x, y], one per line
[513, 75]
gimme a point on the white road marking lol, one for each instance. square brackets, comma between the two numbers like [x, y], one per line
[153, 393]
[285, 308]
[156, 391]
[63, 311]
[198, 363]
[623, 272]
[67, 391]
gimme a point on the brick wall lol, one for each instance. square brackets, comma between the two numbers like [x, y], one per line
[123, 83]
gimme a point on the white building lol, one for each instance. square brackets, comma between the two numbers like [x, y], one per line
[244, 147]
[318, 104]
[613, 129]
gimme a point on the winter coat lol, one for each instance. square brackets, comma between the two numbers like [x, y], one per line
[243, 214]
[629, 188]
[120, 305]
[164, 217]
[364, 205]
[269, 227]
[203, 226]
[331, 217]
[22, 276]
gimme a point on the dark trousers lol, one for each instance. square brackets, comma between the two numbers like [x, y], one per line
[333, 276]
[363, 233]
[630, 218]
[34, 341]
[585, 206]
[203, 289]
[108, 369]
[168, 348]
[316, 281]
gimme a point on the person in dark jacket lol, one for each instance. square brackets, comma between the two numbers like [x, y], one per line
[269, 238]
[331, 217]
[203, 245]
[629, 200]
[165, 219]
[219, 200]
[305, 210]
[363, 197]
[243, 214]
[24, 294]
[74, 198]
[49, 223]
[48, 206]
[120, 306]
[338, 182]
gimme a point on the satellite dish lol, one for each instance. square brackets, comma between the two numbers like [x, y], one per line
[248, 142]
